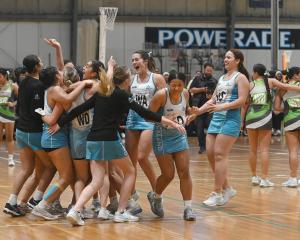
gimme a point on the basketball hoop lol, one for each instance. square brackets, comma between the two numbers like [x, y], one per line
[108, 14]
[107, 20]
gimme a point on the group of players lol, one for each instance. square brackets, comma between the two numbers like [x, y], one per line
[69, 124]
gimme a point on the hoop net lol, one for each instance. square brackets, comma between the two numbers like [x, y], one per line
[108, 16]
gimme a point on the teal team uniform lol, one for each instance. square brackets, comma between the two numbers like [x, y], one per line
[80, 128]
[259, 114]
[142, 93]
[291, 100]
[56, 140]
[168, 140]
[227, 122]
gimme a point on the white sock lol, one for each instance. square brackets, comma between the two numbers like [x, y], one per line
[10, 156]
[38, 195]
[187, 204]
[12, 199]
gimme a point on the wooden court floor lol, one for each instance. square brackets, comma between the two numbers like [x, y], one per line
[255, 213]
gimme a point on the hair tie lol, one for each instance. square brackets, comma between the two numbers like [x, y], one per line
[267, 74]
[149, 54]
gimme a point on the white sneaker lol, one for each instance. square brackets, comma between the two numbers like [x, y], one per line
[255, 180]
[278, 133]
[95, 206]
[215, 199]
[266, 183]
[11, 162]
[125, 217]
[87, 213]
[104, 214]
[291, 182]
[229, 193]
[74, 218]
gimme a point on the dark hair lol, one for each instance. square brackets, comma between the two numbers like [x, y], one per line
[4, 72]
[207, 64]
[180, 76]
[148, 57]
[290, 72]
[30, 63]
[79, 70]
[120, 75]
[96, 67]
[48, 76]
[19, 71]
[239, 55]
[261, 70]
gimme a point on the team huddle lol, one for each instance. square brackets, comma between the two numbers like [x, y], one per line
[69, 122]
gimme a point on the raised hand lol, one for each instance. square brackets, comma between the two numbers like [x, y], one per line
[52, 42]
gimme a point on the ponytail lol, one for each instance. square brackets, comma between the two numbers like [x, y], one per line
[106, 86]
[290, 72]
[261, 70]
[239, 55]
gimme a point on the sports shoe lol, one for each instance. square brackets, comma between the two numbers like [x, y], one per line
[25, 208]
[215, 199]
[202, 150]
[266, 183]
[189, 215]
[156, 204]
[95, 206]
[134, 207]
[125, 217]
[229, 193]
[255, 180]
[32, 203]
[104, 214]
[113, 207]
[135, 196]
[13, 210]
[292, 182]
[11, 162]
[87, 213]
[74, 218]
[44, 213]
[57, 209]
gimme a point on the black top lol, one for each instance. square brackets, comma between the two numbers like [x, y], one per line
[30, 97]
[199, 99]
[108, 114]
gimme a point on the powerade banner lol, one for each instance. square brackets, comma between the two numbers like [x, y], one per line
[244, 38]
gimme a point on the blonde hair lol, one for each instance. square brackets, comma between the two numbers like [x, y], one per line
[106, 85]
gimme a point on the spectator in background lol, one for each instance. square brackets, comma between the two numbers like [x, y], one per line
[277, 116]
[202, 89]
[191, 128]
[166, 76]
[20, 74]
